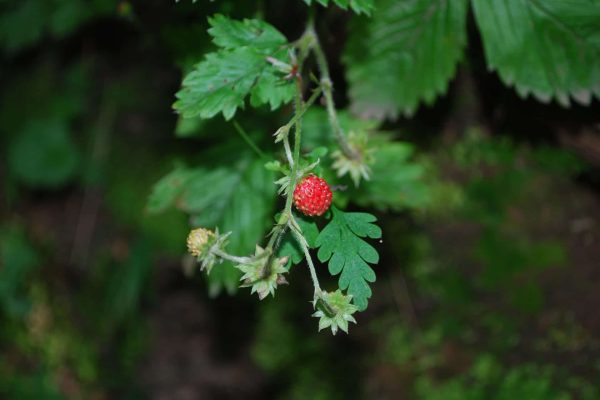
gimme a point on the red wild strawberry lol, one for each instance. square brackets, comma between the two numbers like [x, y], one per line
[312, 196]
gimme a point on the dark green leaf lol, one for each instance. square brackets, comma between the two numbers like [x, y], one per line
[358, 6]
[17, 259]
[548, 48]
[405, 54]
[43, 155]
[341, 243]
[165, 192]
[397, 182]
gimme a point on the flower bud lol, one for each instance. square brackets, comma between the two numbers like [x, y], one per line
[198, 241]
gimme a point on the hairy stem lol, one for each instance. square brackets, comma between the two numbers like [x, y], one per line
[327, 86]
[311, 267]
[232, 258]
[286, 215]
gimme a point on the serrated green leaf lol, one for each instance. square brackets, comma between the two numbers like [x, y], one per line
[405, 54]
[221, 82]
[548, 48]
[231, 34]
[341, 243]
[358, 6]
[289, 247]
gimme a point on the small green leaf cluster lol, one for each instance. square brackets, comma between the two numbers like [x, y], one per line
[240, 68]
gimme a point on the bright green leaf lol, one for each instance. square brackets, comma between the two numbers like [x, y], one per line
[405, 54]
[341, 243]
[548, 48]
[221, 82]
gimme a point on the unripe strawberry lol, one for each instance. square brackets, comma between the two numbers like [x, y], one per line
[312, 196]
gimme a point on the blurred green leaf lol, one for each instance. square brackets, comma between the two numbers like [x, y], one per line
[125, 287]
[358, 6]
[43, 155]
[405, 54]
[25, 22]
[167, 189]
[17, 259]
[548, 48]
[397, 182]
[238, 198]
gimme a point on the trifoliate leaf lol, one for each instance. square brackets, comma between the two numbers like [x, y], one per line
[358, 6]
[405, 54]
[341, 243]
[221, 82]
[289, 247]
[548, 48]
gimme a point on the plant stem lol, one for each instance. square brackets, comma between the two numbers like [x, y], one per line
[247, 139]
[296, 155]
[327, 86]
[313, 273]
[229, 257]
[285, 216]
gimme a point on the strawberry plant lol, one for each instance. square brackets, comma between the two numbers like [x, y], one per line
[322, 159]
[255, 62]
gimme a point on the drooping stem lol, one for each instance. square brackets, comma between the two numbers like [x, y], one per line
[327, 85]
[311, 267]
